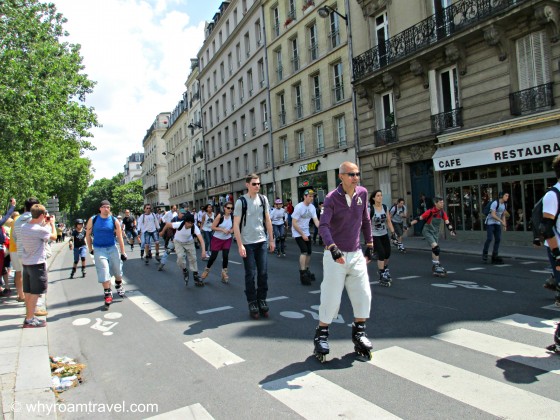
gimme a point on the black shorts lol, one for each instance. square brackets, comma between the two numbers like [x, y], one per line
[304, 246]
[6, 264]
[35, 279]
[382, 247]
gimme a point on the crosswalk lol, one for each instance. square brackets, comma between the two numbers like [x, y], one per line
[312, 396]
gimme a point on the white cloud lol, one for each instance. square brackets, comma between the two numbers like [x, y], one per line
[139, 54]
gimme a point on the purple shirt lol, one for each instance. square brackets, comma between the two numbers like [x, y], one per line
[340, 224]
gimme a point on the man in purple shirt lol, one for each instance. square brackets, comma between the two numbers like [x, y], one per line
[345, 214]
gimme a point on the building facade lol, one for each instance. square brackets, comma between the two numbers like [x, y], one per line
[154, 167]
[133, 168]
[458, 99]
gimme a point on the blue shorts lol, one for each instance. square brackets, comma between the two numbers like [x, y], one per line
[107, 263]
[150, 237]
[131, 234]
[80, 253]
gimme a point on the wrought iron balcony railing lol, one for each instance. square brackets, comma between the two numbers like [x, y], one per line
[386, 136]
[446, 120]
[535, 99]
[453, 19]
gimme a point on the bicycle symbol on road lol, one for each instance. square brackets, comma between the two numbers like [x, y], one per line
[100, 325]
[467, 285]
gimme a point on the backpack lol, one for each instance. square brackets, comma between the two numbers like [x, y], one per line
[486, 210]
[243, 220]
[221, 215]
[537, 218]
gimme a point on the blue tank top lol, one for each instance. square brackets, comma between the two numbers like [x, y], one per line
[103, 232]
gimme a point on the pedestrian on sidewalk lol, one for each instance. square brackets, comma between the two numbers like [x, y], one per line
[221, 241]
[77, 243]
[252, 226]
[33, 238]
[345, 216]
[303, 214]
[495, 223]
[433, 219]
[15, 259]
[6, 291]
[103, 234]
[381, 226]
[186, 231]
[16, 234]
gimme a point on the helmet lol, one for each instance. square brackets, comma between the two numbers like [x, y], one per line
[79, 222]
[278, 201]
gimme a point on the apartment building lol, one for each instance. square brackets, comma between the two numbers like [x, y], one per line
[133, 168]
[178, 154]
[154, 167]
[234, 104]
[458, 98]
[198, 165]
[311, 93]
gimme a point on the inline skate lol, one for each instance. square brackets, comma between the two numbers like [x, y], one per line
[438, 270]
[263, 307]
[197, 280]
[384, 278]
[362, 345]
[556, 346]
[254, 309]
[321, 343]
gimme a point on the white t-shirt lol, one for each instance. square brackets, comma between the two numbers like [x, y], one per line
[303, 214]
[147, 223]
[227, 223]
[184, 235]
[550, 205]
[278, 216]
[168, 217]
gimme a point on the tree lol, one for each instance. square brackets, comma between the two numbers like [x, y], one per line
[129, 196]
[44, 122]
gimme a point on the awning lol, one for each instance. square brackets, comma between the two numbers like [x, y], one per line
[512, 147]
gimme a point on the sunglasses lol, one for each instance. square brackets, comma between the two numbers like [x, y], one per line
[254, 184]
[228, 208]
[352, 174]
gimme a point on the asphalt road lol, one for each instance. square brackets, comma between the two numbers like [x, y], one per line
[469, 345]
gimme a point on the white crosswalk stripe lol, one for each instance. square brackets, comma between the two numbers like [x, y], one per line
[473, 389]
[213, 353]
[314, 397]
[190, 412]
[530, 322]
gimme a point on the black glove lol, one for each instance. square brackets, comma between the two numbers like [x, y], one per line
[124, 257]
[368, 253]
[336, 253]
[91, 252]
[556, 254]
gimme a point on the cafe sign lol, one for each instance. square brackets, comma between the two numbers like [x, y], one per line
[309, 167]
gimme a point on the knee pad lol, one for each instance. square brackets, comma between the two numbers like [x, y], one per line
[436, 250]
[82, 258]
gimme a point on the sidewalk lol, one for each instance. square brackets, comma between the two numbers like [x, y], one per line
[25, 373]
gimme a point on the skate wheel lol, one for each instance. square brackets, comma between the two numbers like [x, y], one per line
[321, 357]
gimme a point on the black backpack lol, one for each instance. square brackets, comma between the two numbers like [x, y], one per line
[243, 220]
[486, 210]
[537, 218]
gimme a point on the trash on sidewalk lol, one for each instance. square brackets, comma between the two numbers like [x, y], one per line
[66, 373]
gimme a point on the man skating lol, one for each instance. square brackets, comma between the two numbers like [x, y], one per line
[304, 212]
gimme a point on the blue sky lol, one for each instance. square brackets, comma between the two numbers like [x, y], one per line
[138, 52]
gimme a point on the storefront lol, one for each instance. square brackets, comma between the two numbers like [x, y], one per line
[310, 177]
[474, 173]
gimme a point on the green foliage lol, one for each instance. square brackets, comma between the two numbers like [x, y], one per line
[129, 196]
[43, 119]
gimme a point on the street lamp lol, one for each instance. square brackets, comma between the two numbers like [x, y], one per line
[325, 11]
[192, 126]
[168, 153]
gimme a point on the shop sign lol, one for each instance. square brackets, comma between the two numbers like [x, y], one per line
[515, 152]
[222, 189]
[309, 167]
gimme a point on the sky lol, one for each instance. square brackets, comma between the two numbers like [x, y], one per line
[138, 52]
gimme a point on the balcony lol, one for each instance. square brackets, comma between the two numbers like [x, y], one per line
[150, 189]
[386, 136]
[453, 19]
[535, 99]
[447, 120]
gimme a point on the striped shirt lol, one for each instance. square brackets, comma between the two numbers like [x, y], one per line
[33, 238]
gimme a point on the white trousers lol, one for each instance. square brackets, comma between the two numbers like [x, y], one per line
[353, 275]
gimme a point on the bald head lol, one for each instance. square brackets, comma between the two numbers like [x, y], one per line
[346, 167]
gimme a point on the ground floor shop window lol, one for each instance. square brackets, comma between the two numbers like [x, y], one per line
[467, 192]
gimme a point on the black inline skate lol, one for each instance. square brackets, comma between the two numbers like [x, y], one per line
[72, 273]
[556, 346]
[310, 275]
[321, 343]
[186, 276]
[550, 283]
[438, 270]
[304, 277]
[384, 278]
[197, 280]
[401, 248]
[362, 345]
[254, 309]
[263, 307]
[496, 259]
[83, 272]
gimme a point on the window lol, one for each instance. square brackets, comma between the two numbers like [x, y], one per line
[222, 72]
[253, 121]
[313, 43]
[334, 34]
[282, 108]
[258, 33]
[215, 78]
[264, 115]
[224, 105]
[237, 167]
[260, 69]
[238, 54]
[301, 143]
[278, 54]
[340, 126]
[338, 88]
[316, 93]
[298, 101]
[533, 60]
[266, 151]
[381, 27]
[250, 82]
[385, 114]
[448, 98]
[319, 138]
[243, 128]
[284, 148]
[295, 54]
[230, 64]
[241, 89]
[291, 9]
[255, 159]
[247, 41]
[222, 173]
[275, 22]
[220, 149]
[213, 148]
[226, 135]
[234, 133]
[246, 163]
[229, 170]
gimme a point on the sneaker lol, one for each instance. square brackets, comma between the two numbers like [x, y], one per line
[6, 292]
[160, 267]
[120, 290]
[34, 323]
[41, 312]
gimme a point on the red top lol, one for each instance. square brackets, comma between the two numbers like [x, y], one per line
[428, 215]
